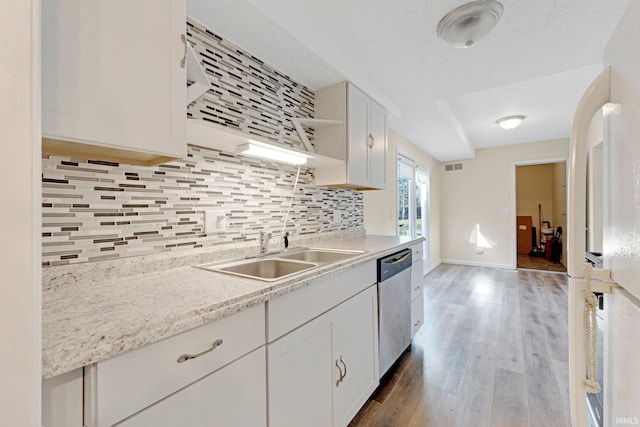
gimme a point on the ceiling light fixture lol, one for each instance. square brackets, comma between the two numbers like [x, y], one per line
[466, 25]
[265, 151]
[510, 122]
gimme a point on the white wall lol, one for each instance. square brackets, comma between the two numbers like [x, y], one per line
[478, 193]
[380, 207]
[20, 299]
[534, 186]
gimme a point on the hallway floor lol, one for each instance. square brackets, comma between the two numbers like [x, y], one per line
[492, 352]
[539, 263]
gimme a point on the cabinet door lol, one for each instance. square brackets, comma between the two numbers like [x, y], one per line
[378, 153]
[417, 279]
[357, 137]
[232, 396]
[62, 400]
[112, 74]
[355, 350]
[300, 374]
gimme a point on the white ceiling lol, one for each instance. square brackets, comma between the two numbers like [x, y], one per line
[537, 62]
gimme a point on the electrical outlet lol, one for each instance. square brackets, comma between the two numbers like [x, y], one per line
[214, 221]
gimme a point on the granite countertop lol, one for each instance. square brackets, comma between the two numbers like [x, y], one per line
[98, 313]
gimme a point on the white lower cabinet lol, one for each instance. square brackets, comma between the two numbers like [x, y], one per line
[321, 373]
[355, 349]
[417, 291]
[306, 358]
[232, 396]
[215, 370]
[300, 374]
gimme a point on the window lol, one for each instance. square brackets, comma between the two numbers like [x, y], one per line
[413, 197]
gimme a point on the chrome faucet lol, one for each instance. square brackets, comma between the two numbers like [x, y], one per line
[264, 241]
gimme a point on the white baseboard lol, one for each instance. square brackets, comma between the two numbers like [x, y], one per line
[478, 264]
[433, 267]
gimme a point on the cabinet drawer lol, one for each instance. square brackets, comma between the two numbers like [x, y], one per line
[417, 279]
[233, 396]
[416, 252]
[127, 383]
[417, 314]
[291, 310]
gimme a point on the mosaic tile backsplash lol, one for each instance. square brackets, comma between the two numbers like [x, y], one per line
[95, 210]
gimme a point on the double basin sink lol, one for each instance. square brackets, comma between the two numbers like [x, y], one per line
[282, 264]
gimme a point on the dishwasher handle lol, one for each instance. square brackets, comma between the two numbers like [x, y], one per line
[396, 261]
[393, 264]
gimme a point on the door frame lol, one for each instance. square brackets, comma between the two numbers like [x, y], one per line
[426, 249]
[514, 213]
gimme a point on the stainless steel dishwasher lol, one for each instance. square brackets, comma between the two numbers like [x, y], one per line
[394, 307]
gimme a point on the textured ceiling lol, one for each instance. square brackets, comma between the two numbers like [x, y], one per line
[537, 61]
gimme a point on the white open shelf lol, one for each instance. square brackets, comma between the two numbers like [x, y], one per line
[298, 122]
[211, 135]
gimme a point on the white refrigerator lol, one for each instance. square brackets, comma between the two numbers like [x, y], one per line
[615, 94]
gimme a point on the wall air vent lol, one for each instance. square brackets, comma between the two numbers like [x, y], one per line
[450, 167]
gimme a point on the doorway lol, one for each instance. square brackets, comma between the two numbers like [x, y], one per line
[541, 215]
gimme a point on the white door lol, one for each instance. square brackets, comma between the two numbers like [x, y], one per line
[358, 137]
[355, 354]
[300, 374]
[378, 151]
[96, 55]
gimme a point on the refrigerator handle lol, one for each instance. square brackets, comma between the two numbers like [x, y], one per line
[596, 95]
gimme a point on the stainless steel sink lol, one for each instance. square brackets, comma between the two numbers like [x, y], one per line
[267, 269]
[322, 256]
[280, 265]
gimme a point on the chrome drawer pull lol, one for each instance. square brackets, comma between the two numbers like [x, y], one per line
[339, 380]
[183, 358]
[345, 367]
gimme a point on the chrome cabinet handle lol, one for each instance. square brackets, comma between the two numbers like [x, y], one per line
[417, 288]
[183, 61]
[417, 323]
[183, 358]
[372, 141]
[345, 367]
[339, 380]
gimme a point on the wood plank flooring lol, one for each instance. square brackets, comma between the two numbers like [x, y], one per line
[492, 352]
[539, 263]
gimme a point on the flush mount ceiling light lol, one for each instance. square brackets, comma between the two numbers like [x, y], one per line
[510, 122]
[265, 151]
[468, 24]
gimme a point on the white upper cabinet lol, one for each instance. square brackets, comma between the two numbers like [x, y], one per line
[361, 141]
[114, 79]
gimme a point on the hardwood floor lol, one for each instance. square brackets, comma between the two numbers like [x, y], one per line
[539, 263]
[492, 352]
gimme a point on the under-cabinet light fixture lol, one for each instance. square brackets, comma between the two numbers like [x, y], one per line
[266, 151]
[510, 122]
